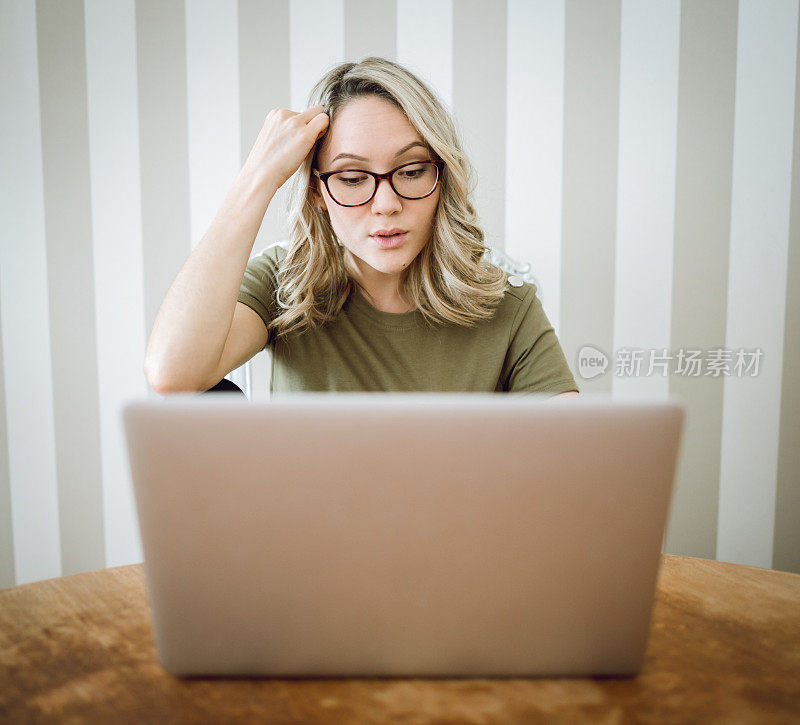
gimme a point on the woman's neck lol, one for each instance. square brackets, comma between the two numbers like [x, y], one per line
[393, 304]
[381, 290]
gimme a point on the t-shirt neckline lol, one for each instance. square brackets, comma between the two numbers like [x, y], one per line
[389, 319]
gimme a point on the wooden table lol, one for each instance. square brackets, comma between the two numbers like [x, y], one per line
[724, 648]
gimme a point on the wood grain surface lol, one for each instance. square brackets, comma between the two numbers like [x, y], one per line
[724, 648]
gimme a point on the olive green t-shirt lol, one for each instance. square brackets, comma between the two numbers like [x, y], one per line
[366, 349]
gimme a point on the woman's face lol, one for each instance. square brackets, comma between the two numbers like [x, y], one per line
[376, 129]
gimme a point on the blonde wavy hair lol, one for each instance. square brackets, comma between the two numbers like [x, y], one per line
[451, 280]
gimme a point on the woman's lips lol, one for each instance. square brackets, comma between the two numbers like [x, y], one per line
[395, 240]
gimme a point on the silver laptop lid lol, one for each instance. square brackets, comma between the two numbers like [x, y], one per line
[402, 534]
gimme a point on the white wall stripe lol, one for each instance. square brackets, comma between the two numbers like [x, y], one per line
[479, 101]
[426, 49]
[263, 42]
[163, 146]
[163, 164]
[589, 188]
[370, 28]
[706, 101]
[316, 31]
[765, 79]
[117, 234]
[68, 224]
[534, 143]
[263, 39]
[786, 537]
[25, 303]
[648, 119]
[212, 89]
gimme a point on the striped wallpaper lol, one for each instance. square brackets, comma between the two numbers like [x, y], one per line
[639, 154]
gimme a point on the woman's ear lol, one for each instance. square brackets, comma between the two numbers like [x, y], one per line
[317, 197]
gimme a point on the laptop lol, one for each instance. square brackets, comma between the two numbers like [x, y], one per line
[402, 534]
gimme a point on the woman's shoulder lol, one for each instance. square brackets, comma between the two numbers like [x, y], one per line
[267, 262]
[520, 291]
[276, 251]
[261, 274]
[521, 285]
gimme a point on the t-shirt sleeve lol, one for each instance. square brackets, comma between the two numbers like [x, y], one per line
[259, 285]
[535, 361]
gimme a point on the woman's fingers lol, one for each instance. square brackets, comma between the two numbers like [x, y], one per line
[311, 112]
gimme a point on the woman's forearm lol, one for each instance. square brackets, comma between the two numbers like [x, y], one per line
[193, 322]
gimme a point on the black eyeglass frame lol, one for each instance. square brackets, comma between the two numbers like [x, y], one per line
[439, 164]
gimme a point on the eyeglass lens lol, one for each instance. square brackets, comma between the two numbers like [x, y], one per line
[355, 187]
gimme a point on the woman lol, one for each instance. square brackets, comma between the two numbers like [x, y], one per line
[383, 285]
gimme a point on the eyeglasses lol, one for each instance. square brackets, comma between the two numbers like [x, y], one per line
[356, 187]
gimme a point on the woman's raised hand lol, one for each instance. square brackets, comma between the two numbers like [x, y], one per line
[285, 139]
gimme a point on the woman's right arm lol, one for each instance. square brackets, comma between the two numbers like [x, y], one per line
[200, 311]
[195, 317]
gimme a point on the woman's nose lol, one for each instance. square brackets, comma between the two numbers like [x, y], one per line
[385, 196]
